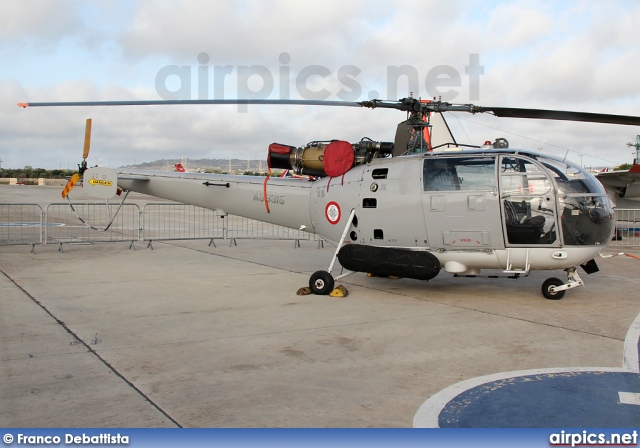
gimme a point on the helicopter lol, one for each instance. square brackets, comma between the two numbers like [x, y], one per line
[415, 206]
[622, 185]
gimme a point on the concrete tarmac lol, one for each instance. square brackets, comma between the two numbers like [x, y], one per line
[189, 335]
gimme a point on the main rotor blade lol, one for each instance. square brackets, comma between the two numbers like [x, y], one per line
[87, 139]
[191, 102]
[411, 105]
[416, 106]
[544, 114]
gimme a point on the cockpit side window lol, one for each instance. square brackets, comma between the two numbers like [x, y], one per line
[527, 200]
[520, 176]
[459, 173]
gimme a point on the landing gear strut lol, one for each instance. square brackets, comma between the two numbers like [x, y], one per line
[553, 288]
[322, 282]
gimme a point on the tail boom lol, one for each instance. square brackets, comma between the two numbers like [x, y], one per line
[288, 199]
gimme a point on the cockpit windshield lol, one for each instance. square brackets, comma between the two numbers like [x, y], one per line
[527, 187]
[570, 178]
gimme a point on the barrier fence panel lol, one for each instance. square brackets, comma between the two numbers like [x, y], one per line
[64, 226]
[21, 224]
[168, 221]
[245, 228]
[87, 222]
[627, 228]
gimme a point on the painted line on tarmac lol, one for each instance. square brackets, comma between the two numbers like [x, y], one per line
[491, 400]
[92, 351]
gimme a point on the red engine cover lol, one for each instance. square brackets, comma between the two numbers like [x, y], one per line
[338, 158]
[277, 148]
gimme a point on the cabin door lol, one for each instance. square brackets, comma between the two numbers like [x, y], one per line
[461, 204]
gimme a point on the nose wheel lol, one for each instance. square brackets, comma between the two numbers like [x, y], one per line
[549, 289]
[553, 288]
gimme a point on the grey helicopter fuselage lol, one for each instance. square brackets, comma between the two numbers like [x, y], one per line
[472, 210]
[408, 216]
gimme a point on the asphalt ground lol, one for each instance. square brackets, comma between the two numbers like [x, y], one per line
[191, 335]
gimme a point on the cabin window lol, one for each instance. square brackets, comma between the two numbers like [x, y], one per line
[369, 203]
[529, 220]
[378, 234]
[528, 202]
[380, 173]
[460, 173]
[519, 176]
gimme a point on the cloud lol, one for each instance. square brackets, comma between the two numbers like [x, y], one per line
[240, 32]
[39, 25]
[543, 54]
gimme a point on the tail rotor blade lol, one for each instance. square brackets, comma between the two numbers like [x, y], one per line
[87, 139]
[83, 166]
[70, 184]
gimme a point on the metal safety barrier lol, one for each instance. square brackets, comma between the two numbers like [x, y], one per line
[169, 221]
[21, 224]
[238, 227]
[627, 228]
[90, 223]
[62, 223]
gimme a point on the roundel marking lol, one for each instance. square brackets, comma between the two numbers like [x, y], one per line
[332, 212]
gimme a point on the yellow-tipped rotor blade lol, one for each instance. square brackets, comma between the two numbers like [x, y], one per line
[87, 139]
[70, 184]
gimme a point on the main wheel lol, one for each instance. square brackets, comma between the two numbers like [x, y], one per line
[321, 283]
[548, 283]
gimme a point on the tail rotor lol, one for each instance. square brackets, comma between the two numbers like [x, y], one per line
[82, 167]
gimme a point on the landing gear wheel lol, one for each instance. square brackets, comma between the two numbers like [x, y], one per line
[553, 281]
[321, 283]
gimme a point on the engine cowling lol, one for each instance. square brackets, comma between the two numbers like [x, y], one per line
[321, 159]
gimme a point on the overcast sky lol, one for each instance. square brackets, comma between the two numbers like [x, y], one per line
[579, 55]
